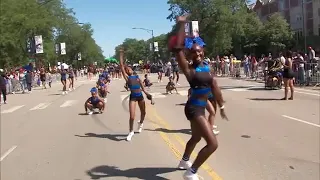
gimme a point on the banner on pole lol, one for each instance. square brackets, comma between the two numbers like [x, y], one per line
[57, 48]
[187, 29]
[79, 56]
[30, 45]
[195, 28]
[150, 47]
[39, 44]
[63, 50]
[156, 46]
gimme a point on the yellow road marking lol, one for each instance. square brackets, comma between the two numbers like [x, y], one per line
[205, 166]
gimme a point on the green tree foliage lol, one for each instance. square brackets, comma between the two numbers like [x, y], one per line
[227, 26]
[22, 19]
[137, 50]
[276, 32]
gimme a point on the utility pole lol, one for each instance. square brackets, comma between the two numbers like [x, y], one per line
[152, 39]
[304, 25]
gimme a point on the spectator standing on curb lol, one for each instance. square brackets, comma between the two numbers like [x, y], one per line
[312, 54]
[3, 90]
[29, 81]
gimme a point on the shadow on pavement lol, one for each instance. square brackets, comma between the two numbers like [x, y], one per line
[55, 94]
[257, 89]
[140, 173]
[113, 137]
[264, 99]
[181, 104]
[85, 114]
[183, 131]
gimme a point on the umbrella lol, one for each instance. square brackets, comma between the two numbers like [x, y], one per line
[111, 60]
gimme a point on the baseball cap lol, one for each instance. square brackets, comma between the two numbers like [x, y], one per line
[93, 90]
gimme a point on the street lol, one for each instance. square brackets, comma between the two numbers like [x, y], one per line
[46, 136]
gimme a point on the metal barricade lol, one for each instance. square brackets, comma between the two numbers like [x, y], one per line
[307, 74]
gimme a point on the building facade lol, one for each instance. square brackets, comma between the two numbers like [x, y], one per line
[298, 13]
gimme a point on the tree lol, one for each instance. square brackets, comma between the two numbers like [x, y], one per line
[135, 50]
[276, 32]
[22, 19]
[253, 29]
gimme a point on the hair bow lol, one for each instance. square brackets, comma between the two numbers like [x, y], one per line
[188, 42]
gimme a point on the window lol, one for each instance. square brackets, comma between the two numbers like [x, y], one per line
[298, 34]
[281, 5]
[310, 32]
[299, 17]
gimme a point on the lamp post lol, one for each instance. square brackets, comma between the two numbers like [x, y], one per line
[304, 25]
[152, 39]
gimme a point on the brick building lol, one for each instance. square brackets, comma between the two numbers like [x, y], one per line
[292, 11]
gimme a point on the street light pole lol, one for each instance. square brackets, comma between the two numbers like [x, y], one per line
[304, 26]
[152, 39]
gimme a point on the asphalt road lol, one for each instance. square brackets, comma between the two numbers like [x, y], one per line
[44, 135]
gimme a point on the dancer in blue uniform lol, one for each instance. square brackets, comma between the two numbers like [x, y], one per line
[94, 102]
[136, 87]
[64, 81]
[201, 83]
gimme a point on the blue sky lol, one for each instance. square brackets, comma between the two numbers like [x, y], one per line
[113, 20]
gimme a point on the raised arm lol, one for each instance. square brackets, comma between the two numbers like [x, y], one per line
[180, 56]
[125, 75]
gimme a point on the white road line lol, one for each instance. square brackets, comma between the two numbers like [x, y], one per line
[40, 106]
[68, 103]
[307, 93]
[157, 95]
[12, 109]
[308, 90]
[238, 89]
[302, 121]
[122, 97]
[8, 152]
[183, 93]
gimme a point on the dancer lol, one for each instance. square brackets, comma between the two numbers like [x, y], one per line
[64, 81]
[94, 102]
[146, 81]
[160, 71]
[136, 87]
[211, 108]
[200, 80]
[103, 89]
[71, 79]
[171, 86]
[175, 70]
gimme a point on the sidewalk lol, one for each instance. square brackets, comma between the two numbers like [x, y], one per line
[262, 81]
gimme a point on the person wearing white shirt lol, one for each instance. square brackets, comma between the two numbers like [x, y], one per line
[301, 71]
[312, 54]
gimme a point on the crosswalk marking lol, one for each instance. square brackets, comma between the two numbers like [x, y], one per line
[238, 90]
[40, 106]
[12, 109]
[68, 103]
[183, 93]
[157, 95]
[122, 97]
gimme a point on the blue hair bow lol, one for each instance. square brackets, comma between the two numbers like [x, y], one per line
[188, 42]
